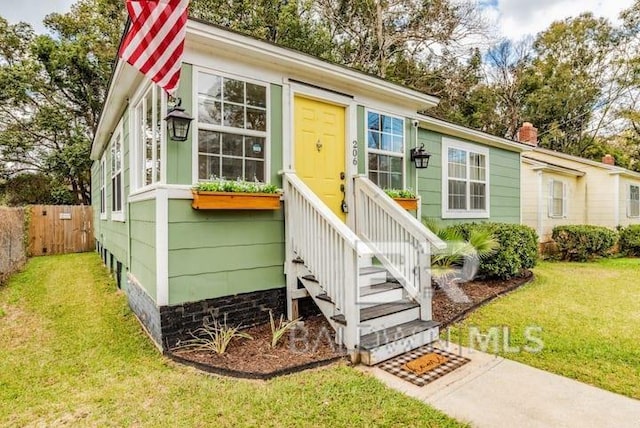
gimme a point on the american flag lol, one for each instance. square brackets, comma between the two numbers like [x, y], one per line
[155, 41]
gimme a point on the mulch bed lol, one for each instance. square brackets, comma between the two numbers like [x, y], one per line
[313, 343]
[480, 292]
[309, 345]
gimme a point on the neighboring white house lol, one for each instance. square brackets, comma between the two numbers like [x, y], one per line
[562, 189]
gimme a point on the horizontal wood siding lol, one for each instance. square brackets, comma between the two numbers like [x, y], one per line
[504, 168]
[112, 234]
[214, 254]
[143, 244]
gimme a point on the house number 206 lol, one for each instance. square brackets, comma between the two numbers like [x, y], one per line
[354, 152]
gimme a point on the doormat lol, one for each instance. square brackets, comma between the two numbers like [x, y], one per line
[425, 363]
[407, 366]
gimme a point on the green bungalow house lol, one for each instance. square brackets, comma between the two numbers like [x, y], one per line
[331, 138]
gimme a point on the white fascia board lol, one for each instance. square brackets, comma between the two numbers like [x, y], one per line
[125, 78]
[542, 166]
[297, 63]
[433, 124]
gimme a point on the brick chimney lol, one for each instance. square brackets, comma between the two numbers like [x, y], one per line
[608, 159]
[528, 134]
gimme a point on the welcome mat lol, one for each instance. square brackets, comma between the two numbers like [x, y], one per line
[423, 365]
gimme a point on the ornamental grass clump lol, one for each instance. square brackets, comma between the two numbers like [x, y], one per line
[236, 186]
[277, 331]
[214, 337]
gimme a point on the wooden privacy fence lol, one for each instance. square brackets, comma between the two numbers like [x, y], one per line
[12, 242]
[60, 229]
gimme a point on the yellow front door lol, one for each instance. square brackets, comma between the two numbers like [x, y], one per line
[320, 149]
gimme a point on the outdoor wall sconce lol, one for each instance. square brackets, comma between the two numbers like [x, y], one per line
[420, 157]
[178, 122]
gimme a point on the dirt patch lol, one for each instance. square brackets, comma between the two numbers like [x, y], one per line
[479, 292]
[311, 344]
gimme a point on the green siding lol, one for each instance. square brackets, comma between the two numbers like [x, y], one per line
[112, 234]
[504, 169]
[214, 254]
[179, 153]
[143, 244]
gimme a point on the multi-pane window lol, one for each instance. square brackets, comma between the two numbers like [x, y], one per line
[148, 130]
[116, 174]
[103, 189]
[466, 180]
[385, 148]
[634, 201]
[232, 128]
[557, 198]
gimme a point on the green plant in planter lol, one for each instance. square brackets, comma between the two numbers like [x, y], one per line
[236, 186]
[400, 193]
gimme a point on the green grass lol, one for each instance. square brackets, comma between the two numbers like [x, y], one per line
[73, 353]
[590, 316]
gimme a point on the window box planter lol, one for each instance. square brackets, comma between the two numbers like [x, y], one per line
[410, 204]
[204, 200]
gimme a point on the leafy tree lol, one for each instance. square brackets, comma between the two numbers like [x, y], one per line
[285, 23]
[566, 80]
[26, 189]
[52, 88]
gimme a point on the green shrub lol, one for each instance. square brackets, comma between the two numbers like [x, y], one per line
[584, 242]
[630, 240]
[517, 250]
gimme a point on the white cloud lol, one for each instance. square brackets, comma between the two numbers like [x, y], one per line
[520, 18]
[32, 11]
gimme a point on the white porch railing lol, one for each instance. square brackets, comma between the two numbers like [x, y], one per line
[329, 249]
[397, 239]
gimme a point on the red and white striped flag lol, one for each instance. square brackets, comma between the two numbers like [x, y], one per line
[155, 41]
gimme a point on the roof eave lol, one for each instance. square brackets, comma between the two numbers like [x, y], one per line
[460, 131]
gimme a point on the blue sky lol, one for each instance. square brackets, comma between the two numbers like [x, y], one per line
[515, 18]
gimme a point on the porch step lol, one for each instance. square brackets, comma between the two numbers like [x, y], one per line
[372, 275]
[387, 343]
[381, 316]
[387, 292]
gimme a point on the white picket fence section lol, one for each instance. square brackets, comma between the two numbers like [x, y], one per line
[400, 242]
[329, 249]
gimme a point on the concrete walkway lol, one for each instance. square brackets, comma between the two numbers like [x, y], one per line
[494, 392]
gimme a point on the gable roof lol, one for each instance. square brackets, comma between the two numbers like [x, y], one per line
[613, 169]
[471, 134]
[212, 36]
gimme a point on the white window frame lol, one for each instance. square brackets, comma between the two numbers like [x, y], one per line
[630, 201]
[449, 143]
[402, 155]
[117, 215]
[196, 125]
[103, 186]
[137, 152]
[552, 197]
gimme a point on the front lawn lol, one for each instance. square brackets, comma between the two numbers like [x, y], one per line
[590, 319]
[73, 353]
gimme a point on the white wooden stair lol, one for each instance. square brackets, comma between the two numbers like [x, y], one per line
[390, 322]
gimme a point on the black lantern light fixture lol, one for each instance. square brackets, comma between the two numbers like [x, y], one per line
[420, 157]
[178, 122]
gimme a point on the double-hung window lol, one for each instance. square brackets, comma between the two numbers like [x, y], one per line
[232, 128]
[116, 177]
[103, 188]
[148, 119]
[465, 184]
[633, 204]
[385, 150]
[557, 199]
